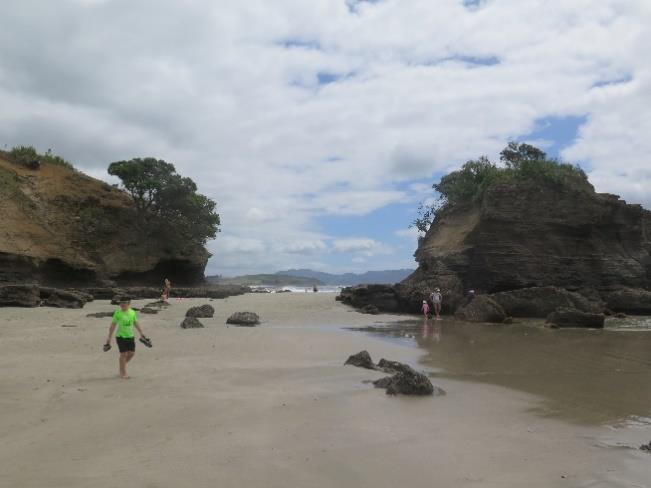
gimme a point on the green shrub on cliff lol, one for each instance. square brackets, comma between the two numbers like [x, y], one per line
[168, 205]
[521, 163]
[28, 156]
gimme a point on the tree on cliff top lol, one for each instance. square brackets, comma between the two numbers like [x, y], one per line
[167, 204]
[519, 163]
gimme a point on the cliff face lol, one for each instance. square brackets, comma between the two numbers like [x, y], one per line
[62, 227]
[522, 235]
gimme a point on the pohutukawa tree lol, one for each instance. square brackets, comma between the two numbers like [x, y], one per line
[519, 163]
[167, 204]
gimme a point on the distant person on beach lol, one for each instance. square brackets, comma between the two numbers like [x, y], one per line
[125, 319]
[437, 300]
[425, 309]
[167, 287]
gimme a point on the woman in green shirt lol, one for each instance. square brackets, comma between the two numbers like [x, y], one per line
[125, 319]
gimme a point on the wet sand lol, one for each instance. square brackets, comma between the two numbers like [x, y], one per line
[273, 406]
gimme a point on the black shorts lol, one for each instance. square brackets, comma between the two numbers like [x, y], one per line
[126, 344]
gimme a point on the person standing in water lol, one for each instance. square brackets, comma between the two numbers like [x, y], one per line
[425, 309]
[437, 300]
[167, 287]
[125, 319]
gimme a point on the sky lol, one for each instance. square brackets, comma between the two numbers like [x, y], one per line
[318, 126]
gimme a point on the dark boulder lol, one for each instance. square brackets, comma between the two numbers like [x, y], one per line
[361, 360]
[393, 366]
[408, 381]
[370, 310]
[245, 319]
[204, 312]
[100, 315]
[117, 299]
[191, 323]
[53, 297]
[569, 317]
[149, 311]
[383, 382]
[646, 447]
[629, 300]
[539, 302]
[19, 296]
[482, 309]
[383, 297]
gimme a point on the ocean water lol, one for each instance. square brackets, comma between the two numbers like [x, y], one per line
[298, 289]
[583, 375]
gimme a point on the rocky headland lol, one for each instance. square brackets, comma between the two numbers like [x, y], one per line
[67, 238]
[532, 243]
[63, 228]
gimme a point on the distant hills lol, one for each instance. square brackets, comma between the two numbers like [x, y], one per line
[266, 279]
[308, 278]
[390, 276]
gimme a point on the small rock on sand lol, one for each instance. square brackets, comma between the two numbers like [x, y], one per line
[191, 323]
[246, 319]
[204, 312]
[100, 315]
[362, 360]
[646, 447]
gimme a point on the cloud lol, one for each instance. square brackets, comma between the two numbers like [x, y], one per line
[304, 247]
[288, 111]
[368, 247]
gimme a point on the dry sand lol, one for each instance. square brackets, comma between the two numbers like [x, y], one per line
[271, 406]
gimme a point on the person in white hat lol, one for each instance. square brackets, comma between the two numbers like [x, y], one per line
[437, 300]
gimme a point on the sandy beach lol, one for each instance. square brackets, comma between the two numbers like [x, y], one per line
[271, 406]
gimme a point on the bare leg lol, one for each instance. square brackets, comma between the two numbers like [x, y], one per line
[123, 365]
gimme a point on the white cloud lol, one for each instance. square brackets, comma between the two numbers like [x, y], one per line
[229, 92]
[304, 247]
[368, 247]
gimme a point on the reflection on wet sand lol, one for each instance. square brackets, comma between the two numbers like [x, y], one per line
[588, 376]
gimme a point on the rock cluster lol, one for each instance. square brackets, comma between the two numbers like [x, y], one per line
[404, 380]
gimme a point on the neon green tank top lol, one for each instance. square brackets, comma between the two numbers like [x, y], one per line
[125, 321]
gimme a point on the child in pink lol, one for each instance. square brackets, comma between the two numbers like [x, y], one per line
[425, 309]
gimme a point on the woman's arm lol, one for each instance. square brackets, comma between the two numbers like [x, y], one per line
[110, 334]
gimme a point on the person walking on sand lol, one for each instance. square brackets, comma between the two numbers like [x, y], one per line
[167, 287]
[425, 309]
[125, 319]
[437, 300]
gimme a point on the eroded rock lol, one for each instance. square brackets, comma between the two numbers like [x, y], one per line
[19, 296]
[629, 300]
[53, 297]
[191, 323]
[362, 360]
[539, 302]
[245, 319]
[100, 315]
[149, 311]
[370, 310]
[204, 311]
[569, 317]
[482, 309]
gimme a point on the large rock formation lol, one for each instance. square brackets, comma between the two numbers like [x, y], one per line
[61, 227]
[527, 235]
